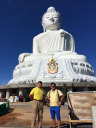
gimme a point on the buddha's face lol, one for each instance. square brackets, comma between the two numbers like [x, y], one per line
[51, 21]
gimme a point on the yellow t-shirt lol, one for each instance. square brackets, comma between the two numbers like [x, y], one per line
[37, 93]
[54, 99]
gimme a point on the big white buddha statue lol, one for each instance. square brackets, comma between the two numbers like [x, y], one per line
[55, 44]
[53, 39]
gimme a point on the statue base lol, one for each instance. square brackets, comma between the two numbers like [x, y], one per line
[53, 67]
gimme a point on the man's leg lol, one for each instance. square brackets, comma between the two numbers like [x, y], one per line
[40, 114]
[53, 116]
[59, 123]
[53, 122]
[57, 111]
[34, 114]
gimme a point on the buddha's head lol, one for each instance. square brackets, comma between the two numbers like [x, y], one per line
[51, 20]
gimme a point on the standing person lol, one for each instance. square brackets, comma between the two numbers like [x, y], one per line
[20, 98]
[37, 95]
[13, 98]
[53, 96]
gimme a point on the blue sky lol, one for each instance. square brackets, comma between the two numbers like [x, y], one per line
[20, 21]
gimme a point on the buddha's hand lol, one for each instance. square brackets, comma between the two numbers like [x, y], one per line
[22, 57]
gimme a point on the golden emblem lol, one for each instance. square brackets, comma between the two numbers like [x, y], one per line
[52, 66]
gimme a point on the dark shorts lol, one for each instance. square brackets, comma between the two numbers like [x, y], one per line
[55, 110]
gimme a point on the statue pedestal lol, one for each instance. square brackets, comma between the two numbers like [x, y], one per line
[66, 67]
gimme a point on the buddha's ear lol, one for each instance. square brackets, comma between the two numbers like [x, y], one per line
[60, 21]
[44, 29]
[43, 26]
[42, 23]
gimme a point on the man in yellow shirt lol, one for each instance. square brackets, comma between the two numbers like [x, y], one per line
[55, 103]
[37, 95]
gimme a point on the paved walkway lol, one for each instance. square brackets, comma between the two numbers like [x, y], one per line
[20, 117]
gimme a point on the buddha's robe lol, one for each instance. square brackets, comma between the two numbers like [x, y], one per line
[53, 41]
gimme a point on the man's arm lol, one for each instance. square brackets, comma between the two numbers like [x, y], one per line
[31, 96]
[48, 98]
[61, 99]
[48, 95]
